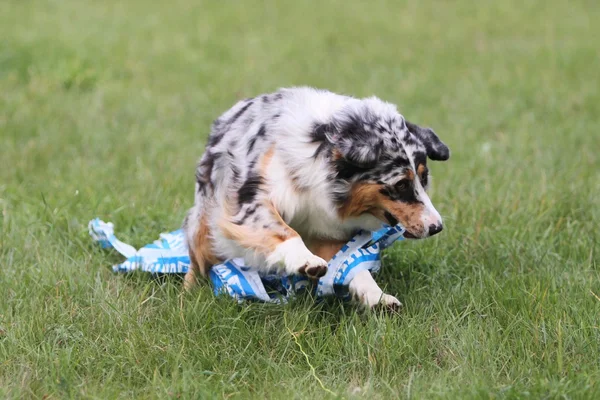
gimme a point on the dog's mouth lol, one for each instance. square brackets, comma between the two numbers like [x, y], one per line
[408, 235]
[393, 221]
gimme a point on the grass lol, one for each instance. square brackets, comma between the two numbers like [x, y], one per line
[105, 107]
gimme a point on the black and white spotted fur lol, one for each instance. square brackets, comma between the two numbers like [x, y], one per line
[303, 165]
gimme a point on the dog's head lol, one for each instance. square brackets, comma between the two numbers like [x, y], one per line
[380, 162]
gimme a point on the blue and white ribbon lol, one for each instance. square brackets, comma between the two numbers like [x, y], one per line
[169, 254]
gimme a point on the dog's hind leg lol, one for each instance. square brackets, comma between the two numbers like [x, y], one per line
[200, 250]
[191, 277]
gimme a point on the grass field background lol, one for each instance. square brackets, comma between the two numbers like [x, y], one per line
[105, 107]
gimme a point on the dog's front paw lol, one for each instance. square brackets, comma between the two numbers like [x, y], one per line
[377, 299]
[297, 259]
[389, 303]
[313, 266]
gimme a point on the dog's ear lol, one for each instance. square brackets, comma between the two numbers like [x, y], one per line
[436, 149]
[357, 145]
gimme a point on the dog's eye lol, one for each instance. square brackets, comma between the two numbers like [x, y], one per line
[402, 185]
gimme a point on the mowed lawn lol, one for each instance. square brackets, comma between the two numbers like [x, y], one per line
[105, 107]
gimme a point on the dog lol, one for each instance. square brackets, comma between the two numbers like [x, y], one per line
[288, 178]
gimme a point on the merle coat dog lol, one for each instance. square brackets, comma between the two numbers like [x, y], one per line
[288, 178]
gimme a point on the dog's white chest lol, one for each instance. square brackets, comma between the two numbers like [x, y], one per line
[309, 209]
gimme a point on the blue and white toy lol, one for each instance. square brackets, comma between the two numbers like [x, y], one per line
[169, 255]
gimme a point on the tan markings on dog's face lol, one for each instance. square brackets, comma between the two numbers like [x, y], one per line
[409, 215]
[423, 173]
[363, 197]
[369, 198]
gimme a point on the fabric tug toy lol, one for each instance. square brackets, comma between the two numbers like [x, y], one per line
[169, 255]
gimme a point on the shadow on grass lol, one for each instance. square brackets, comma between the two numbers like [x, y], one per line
[413, 281]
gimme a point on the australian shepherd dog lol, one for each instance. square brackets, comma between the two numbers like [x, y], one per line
[288, 178]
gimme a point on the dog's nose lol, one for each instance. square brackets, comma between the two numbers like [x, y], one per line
[435, 229]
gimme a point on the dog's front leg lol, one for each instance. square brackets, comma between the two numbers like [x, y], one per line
[364, 289]
[297, 259]
[268, 235]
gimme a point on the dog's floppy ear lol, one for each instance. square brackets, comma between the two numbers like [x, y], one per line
[357, 145]
[436, 149]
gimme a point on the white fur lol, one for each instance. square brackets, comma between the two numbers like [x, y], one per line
[364, 288]
[294, 255]
[312, 213]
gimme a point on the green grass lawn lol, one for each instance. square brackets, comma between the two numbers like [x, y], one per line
[105, 107]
